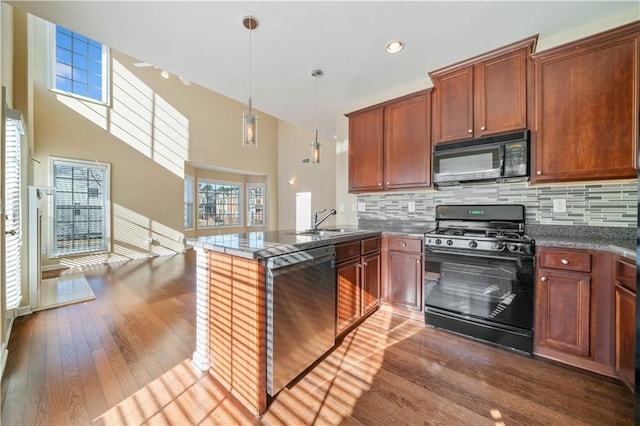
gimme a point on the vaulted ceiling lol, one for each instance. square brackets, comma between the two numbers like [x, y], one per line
[206, 43]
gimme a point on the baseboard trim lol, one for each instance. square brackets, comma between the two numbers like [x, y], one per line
[25, 310]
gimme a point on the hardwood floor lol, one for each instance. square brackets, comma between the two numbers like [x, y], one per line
[124, 359]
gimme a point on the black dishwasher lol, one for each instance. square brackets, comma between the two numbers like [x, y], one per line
[301, 312]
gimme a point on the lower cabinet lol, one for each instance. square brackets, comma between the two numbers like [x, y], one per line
[403, 283]
[574, 308]
[625, 320]
[358, 281]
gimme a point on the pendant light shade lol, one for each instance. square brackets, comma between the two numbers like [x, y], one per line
[315, 145]
[249, 119]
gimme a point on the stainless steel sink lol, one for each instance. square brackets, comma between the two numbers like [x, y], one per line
[325, 232]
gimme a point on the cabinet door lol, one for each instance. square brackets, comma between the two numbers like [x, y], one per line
[453, 105]
[405, 280]
[407, 143]
[563, 311]
[366, 150]
[625, 332]
[586, 102]
[500, 94]
[348, 297]
[370, 282]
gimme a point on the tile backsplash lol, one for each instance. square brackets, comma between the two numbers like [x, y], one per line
[589, 204]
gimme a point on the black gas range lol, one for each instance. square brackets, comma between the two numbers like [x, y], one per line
[479, 272]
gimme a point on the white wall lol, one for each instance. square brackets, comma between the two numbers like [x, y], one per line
[319, 179]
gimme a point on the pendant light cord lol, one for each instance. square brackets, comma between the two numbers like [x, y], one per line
[251, 27]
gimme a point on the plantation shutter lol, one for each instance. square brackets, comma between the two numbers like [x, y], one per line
[13, 224]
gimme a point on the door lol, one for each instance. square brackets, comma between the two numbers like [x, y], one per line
[407, 143]
[405, 280]
[348, 293]
[453, 106]
[370, 282]
[13, 214]
[366, 150]
[563, 310]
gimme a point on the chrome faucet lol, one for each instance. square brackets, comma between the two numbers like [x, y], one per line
[317, 222]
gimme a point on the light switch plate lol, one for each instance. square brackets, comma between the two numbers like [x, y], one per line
[559, 205]
[341, 207]
[411, 206]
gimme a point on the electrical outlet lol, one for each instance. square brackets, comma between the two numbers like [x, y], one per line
[559, 205]
[43, 250]
[411, 206]
[361, 207]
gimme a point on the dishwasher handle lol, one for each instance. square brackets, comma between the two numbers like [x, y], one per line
[304, 256]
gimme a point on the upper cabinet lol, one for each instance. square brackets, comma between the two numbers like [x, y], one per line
[482, 96]
[390, 145]
[586, 108]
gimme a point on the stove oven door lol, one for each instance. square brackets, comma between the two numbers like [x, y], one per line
[487, 296]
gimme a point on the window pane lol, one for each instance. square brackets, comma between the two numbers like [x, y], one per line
[80, 75]
[63, 40]
[63, 55]
[63, 70]
[80, 61]
[80, 89]
[63, 84]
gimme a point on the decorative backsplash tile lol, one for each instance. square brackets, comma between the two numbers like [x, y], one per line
[592, 204]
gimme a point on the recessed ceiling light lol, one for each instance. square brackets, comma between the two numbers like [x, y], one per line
[394, 46]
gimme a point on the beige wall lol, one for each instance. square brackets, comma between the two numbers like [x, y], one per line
[342, 124]
[151, 129]
[294, 177]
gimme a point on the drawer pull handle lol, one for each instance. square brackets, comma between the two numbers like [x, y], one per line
[417, 261]
[564, 261]
[365, 264]
[404, 244]
[544, 279]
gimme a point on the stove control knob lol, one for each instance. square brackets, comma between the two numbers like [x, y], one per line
[499, 246]
[513, 247]
[438, 241]
[449, 242]
[473, 244]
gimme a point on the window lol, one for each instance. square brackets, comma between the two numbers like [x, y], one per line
[255, 204]
[80, 65]
[189, 185]
[13, 217]
[218, 204]
[80, 207]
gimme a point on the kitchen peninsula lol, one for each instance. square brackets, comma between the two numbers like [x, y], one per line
[231, 303]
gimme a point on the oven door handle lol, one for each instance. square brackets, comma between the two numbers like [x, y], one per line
[516, 259]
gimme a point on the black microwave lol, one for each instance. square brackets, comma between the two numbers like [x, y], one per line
[498, 158]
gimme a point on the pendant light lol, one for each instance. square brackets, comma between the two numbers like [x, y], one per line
[249, 119]
[315, 145]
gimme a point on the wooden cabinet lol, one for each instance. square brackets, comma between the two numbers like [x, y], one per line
[403, 283]
[625, 320]
[573, 308]
[358, 281]
[389, 145]
[482, 96]
[587, 108]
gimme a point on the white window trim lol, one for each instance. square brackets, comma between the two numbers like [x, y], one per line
[107, 209]
[194, 195]
[240, 201]
[264, 206]
[51, 71]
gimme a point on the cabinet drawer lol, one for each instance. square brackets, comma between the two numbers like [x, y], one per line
[411, 245]
[371, 244]
[625, 274]
[347, 250]
[568, 260]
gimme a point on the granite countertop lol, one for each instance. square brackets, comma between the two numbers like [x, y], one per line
[260, 245]
[620, 241]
